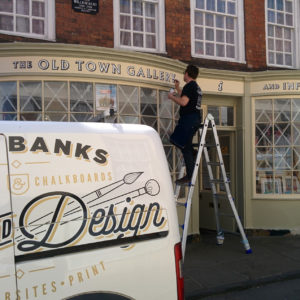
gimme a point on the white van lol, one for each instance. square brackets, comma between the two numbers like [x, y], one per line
[86, 212]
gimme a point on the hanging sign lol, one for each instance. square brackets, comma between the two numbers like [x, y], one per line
[85, 6]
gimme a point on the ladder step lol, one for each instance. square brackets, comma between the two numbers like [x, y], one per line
[181, 202]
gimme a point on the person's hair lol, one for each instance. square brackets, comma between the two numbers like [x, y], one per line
[192, 71]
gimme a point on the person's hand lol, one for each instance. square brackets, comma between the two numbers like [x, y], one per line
[170, 95]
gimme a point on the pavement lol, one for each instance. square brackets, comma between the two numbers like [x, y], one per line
[211, 269]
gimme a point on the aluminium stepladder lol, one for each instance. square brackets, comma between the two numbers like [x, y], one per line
[202, 147]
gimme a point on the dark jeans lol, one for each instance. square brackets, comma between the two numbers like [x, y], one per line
[182, 137]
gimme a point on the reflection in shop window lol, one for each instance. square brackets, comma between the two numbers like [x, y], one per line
[148, 102]
[30, 100]
[106, 102]
[277, 146]
[128, 100]
[81, 101]
[223, 115]
[8, 100]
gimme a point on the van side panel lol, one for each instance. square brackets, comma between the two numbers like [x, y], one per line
[94, 211]
[7, 259]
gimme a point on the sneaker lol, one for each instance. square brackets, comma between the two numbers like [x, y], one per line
[183, 181]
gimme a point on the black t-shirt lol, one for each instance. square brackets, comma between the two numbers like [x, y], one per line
[194, 93]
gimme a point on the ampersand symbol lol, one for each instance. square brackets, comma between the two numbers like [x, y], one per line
[18, 184]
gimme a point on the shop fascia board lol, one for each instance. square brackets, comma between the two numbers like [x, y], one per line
[92, 52]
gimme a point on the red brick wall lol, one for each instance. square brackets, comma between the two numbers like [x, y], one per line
[86, 29]
[178, 29]
[255, 37]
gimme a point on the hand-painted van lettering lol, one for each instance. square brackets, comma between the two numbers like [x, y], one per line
[5, 230]
[19, 145]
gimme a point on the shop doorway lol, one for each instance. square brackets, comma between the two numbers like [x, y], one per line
[206, 206]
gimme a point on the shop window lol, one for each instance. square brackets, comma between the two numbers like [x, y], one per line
[281, 30]
[56, 100]
[31, 100]
[128, 100]
[277, 146]
[140, 24]
[8, 100]
[81, 101]
[28, 18]
[223, 115]
[148, 102]
[217, 29]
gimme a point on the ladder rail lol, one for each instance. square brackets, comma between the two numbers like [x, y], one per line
[228, 192]
[202, 148]
[191, 189]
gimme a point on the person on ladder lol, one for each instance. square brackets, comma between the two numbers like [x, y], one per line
[189, 99]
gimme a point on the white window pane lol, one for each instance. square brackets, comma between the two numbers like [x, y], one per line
[22, 7]
[287, 33]
[229, 23]
[22, 24]
[220, 36]
[209, 49]
[271, 16]
[278, 32]
[199, 33]
[138, 40]
[199, 48]
[125, 22]
[220, 21]
[210, 5]
[271, 44]
[231, 8]
[150, 41]
[221, 6]
[150, 10]
[289, 6]
[137, 8]
[279, 45]
[38, 26]
[138, 24]
[6, 6]
[279, 58]
[271, 30]
[38, 9]
[230, 37]
[220, 50]
[198, 18]
[150, 26]
[125, 6]
[280, 18]
[125, 38]
[288, 60]
[271, 4]
[6, 23]
[200, 4]
[209, 20]
[287, 46]
[271, 58]
[230, 51]
[289, 20]
[209, 34]
[279, 4]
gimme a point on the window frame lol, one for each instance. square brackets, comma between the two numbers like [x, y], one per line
[275, 172]
[295, 40]
[160, 35]
[49, 33]
[238, 35]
